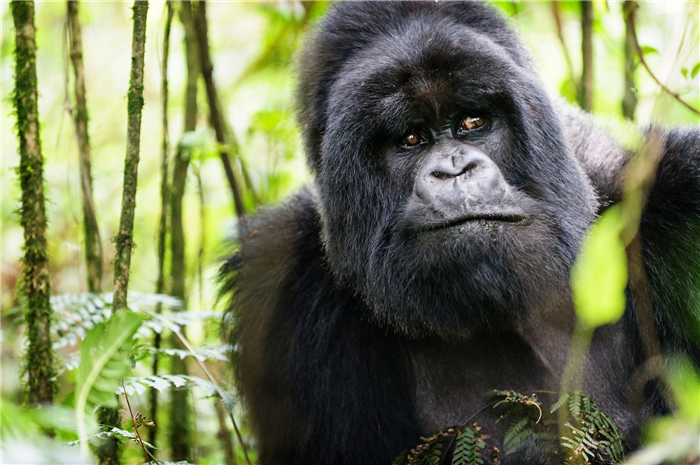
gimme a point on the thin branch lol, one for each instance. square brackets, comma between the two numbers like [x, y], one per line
[565, 50]
[133, 423]
[633, 25]
[629, 101]
[93, 242]
[223, 136]
[586, 88]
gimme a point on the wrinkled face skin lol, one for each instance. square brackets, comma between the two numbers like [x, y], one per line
[449, 200]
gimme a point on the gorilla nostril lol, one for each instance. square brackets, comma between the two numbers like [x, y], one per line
[470, 166]
[441, 175]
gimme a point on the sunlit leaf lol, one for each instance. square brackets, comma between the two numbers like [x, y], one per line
[649, 50]
[685, 385]
[694, 72]
[599, 276]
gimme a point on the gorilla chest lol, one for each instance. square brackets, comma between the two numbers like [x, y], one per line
[453, 379]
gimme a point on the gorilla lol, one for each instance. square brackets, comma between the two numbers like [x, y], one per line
[429, 260]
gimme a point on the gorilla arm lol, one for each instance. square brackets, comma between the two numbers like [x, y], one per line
[670, 226]
[670, 234]
[317, 376]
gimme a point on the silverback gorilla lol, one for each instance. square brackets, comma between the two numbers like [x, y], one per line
[429, 261]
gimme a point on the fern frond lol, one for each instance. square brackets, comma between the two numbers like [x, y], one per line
[575, 404]
[401, 459]
[138, 386]
[78, 313]
[559, 403]
[593, 436]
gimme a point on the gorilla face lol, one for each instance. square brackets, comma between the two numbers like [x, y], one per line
[449, 199]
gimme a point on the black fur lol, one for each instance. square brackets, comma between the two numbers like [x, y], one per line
[355, 336]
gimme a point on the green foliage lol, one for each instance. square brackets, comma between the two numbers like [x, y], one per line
[599, 276]
[161, 382]
[75, 314]
[593, 437]
[468, 446]
[466, 443]
[104, 361]
[112, 433]
[526, 421]
[675, 439]
[694, 72]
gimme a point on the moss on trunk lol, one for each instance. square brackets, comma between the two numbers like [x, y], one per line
[124, 239]
[35, 289]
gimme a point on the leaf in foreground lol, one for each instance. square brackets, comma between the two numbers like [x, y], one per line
[104, 361]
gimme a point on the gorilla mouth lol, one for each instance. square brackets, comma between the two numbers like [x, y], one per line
[512, 218]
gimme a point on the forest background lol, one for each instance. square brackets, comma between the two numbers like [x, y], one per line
[252, 49]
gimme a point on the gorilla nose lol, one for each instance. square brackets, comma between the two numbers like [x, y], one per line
[461, 182]
[454, 166]
[467, 174]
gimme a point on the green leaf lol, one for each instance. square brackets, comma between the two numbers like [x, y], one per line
[685, 385]
[401, 458]
[649, 50]
[558, 404]
[694, 72]
[104, 361]
[599, 276]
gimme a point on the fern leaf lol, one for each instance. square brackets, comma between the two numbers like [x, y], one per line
[575, 404]
[104, 360]
[559, 403]
[401, 459]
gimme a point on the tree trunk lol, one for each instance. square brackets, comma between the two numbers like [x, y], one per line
[124, 239]
[162, 226]
[35, 289]
[93, 243]
[180, 432]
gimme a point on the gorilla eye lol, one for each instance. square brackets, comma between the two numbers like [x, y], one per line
[472, 122]
[412, 139]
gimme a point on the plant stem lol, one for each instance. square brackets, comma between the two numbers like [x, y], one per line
[633, 26]
[133, 423]
[629, 101]
[223, 133]
[586, 87]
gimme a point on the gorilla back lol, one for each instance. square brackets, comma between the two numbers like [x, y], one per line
[429, 262]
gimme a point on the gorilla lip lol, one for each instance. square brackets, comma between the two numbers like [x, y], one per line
[488, 217]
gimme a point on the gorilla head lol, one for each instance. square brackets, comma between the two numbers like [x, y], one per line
[449, 199]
